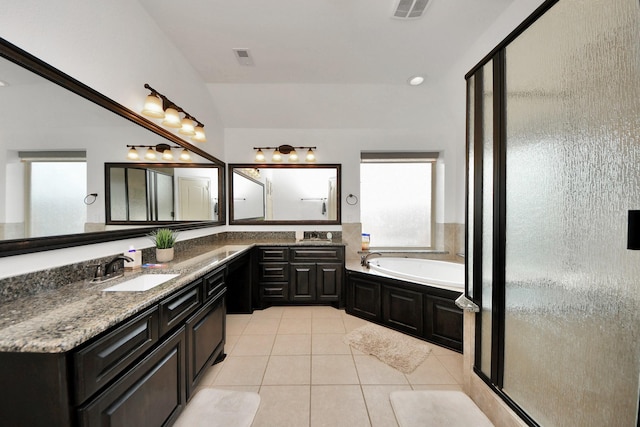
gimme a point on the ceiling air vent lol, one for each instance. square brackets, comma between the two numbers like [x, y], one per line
[410, 9]
[243, 57]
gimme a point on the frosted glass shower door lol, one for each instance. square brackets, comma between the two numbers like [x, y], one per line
[572, 302]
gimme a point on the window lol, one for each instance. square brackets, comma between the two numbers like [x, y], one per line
[397, 203]
[57, 187]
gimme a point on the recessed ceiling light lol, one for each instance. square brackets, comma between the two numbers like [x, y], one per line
[415, 80]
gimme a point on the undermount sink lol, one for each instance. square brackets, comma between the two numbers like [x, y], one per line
[141, 283]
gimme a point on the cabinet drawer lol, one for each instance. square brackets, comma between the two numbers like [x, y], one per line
[273, 272]
[276, 291]
[213, 283]
[273, 254]
[317, 254]
[175, 309]
[103, 360]
[152, 393]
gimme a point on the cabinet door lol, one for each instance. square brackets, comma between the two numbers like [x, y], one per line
[363, 298]
[329, 281]
[205, 338]
[151, 394]
[443, 322]
[303, 283]
[402, 310]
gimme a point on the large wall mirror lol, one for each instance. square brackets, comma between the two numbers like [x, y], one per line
[56, 134]
[284, 194]
[162, 193]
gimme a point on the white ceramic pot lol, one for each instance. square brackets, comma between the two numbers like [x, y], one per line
[164, 255]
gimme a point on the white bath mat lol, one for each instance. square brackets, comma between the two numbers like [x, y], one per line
[396, 349]
[212, 407]
[436, 408]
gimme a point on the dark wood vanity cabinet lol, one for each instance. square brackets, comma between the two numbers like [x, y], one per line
[420, 310]
[300, 275]
[140, 372]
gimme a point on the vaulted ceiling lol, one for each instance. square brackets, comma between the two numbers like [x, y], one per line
[322, 63]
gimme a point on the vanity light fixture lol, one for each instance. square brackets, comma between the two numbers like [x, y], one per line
[150, 154]
[286, 150]
[159, 106]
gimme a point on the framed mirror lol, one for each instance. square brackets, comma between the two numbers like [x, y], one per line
[284, 194]
[162, 193]
[72, 122]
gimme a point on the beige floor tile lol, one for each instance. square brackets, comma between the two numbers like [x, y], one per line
[295, 326]
[441, 351]
[292, 344]
[211, 374]
[431, 371]
[252, 388]
[253, 345]
[329, 344]
[325, 312]
[327, 326]
[373, 371]
[230, 342]
[288, 370]
[283, 406]
[454, 365]
[236, 323]
[333, 369]
[351, 323]
[297, 312]
[337, 406]
[262, 326]
[242, 370]
[378, 404]
[268, 313]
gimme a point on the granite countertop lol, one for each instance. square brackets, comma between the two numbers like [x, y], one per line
[56, 321]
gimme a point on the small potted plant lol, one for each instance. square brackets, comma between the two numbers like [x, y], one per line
[164, 239]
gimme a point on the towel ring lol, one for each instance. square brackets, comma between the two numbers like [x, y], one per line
[352, 200]
[90, 198]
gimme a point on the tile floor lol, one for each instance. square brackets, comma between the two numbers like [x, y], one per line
[306, 376]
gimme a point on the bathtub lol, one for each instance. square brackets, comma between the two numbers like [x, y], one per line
[441, 274]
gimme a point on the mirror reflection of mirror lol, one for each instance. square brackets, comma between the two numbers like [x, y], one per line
[285, 194]
[161, 193]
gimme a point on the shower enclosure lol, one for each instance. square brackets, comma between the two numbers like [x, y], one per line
[553, 169]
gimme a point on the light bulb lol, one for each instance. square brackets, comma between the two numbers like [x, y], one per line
[311, 157]
[167, 154]
[187, 127]
[259, 156]
[185, 156]
[153, 107]
[171, 118]
[150, 154]
[200, 136]
[133, 154]
[293, 156]
[277, 157]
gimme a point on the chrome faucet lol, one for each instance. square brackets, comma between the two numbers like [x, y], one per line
[364, 259]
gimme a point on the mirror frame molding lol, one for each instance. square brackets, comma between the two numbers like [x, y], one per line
[336, 166]
[31, 63]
